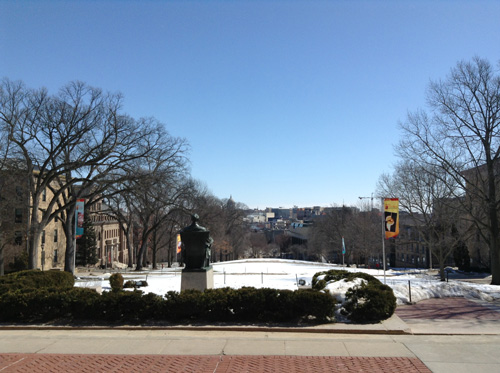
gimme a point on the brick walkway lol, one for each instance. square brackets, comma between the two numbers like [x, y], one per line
[56, 363]
[447, 309]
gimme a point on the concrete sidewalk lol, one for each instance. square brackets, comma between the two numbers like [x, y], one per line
[126, 350]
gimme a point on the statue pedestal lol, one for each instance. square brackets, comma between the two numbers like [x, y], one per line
[197, 279]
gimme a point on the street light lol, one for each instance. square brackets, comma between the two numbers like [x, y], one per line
[43, 255]
[368, 198]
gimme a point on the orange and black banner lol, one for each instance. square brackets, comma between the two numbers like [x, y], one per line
[391, 216]
[178, 243]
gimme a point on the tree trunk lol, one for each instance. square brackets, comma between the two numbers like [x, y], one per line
[34, 237]
[69, 231]
[69, 261]
[494, 229]
[154, 256]
[141, 255]
[34, 241]
[170, 253]
[2, 269]
[130, 249]
[155, 248]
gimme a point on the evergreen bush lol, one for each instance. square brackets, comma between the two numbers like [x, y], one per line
[318, 305]
[222, 305]
[35, 279]
[116, 282]
[20, 262]
[218, 305]
[35, 305]
[131, 306]
[372, 301]
[129, 284]
[248, 304]
[187, 304]
[86, 252]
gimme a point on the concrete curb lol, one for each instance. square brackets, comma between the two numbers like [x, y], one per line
[393, 326]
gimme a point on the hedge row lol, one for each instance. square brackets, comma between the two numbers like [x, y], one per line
[235, 305]
[372, 301]
[34, 279]
[33, 296]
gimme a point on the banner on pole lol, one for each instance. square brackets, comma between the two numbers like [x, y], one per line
[179, 243]
[80, 205]
[343, 246]
[391, 217]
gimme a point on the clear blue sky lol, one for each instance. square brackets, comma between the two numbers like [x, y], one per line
[283, 102]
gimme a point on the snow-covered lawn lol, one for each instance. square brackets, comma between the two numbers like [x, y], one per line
[286, 274]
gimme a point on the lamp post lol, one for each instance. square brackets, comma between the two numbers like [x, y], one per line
[43, 255]
[371, 198]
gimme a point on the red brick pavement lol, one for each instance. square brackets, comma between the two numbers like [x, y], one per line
[447, 309]
[56, 363]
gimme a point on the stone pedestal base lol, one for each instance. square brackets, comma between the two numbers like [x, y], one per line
[198, 279]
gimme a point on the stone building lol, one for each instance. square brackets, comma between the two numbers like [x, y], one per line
[111, 241]
[15, 216]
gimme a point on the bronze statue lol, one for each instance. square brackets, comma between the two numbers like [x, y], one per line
[197, 242]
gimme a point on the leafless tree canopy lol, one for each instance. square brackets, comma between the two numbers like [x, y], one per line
[78, 143]
[459, 135]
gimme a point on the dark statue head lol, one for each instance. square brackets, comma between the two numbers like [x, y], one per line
[194, 218]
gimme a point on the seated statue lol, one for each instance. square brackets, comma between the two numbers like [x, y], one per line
[196, 243]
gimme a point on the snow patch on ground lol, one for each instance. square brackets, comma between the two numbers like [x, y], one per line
[285, 274]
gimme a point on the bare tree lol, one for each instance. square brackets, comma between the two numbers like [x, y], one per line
[461, 136]
[70, 143]
[225, 220]
[158, 189]
[365, 237]
[337, 223]
[426, 194]
[257, 245]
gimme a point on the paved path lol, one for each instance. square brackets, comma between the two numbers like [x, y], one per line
[405, 342]
[449, 309]
[451, 316]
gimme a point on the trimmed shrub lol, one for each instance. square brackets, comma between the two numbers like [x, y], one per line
[35, 279]
[30, 305]
[82, 302]
[187, 304]
[338, 275]
[131, 306]
[116, 282]
[218, 305]
[318, 305]
[372, 301]
[268, 305]
[246, 304]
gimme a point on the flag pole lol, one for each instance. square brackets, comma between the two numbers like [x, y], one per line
[343, 252]
[74, 242]
[382, 209]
